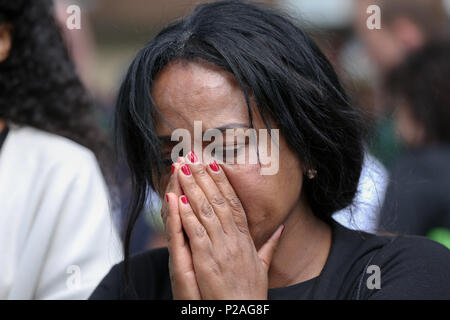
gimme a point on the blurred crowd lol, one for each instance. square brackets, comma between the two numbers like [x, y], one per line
[64, 191]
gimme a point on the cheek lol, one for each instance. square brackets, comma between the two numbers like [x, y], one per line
[267, 199]
[250, 187]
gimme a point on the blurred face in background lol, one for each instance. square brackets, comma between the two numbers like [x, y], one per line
[5, 48]
[410, 131]
[388, 45]
[5, 41]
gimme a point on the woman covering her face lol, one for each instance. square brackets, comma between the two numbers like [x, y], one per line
[233, 232]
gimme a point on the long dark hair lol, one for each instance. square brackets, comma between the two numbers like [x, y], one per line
[278, 65]
[39, 86]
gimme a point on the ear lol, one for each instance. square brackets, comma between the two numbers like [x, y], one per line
[5, 41]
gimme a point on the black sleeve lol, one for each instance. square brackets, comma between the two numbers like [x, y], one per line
[412, 268]
[108, 289]
[148, 279]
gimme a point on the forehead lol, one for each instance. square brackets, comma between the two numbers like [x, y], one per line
[185, 92]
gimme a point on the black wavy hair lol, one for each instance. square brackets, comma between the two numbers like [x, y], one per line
[39, 86]
[423, 80]
[275, 63]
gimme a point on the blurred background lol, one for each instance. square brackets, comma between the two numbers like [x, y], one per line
[113, 31]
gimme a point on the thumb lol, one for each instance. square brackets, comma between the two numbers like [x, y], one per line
[265, 253]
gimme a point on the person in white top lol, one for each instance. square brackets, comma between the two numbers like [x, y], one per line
[57, 236]
[57, 239]
[364, 213]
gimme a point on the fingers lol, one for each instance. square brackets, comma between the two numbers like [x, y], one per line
[172, 186]
[184, 282]
[212, 193]
[199, 202]
[265, 253]
[198, 237]
[180, 264]
[174, 228]
[218, 176]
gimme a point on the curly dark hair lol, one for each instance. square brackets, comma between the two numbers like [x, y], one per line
[39, 86]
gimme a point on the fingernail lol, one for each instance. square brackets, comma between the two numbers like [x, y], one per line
[192, 157]
[173, 169]
[214, 166]
[184, 199]
[282, 230]
[178, 159]
[186, 170]
[167, 197]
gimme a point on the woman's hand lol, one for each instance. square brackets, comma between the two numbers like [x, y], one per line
[226, 262]
[182, 274]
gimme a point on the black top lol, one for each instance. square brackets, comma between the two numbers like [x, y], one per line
[3, 135]
[411, 267]
[417, 198]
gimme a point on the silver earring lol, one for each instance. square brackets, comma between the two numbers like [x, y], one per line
[311, 173]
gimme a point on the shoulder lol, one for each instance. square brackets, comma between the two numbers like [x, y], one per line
[411, 267]
[149, 278]
[415, 247]
[35, 155]
[49, 149]
[405, 267]
[156, 259]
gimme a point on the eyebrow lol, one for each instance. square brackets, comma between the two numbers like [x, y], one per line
[232, 125]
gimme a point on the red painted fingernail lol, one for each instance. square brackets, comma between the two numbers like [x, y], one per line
[214, 166]
[167, 197]
[173, 169]
[282, 230]
[184, 199]
[186, 170]
[192, 157]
